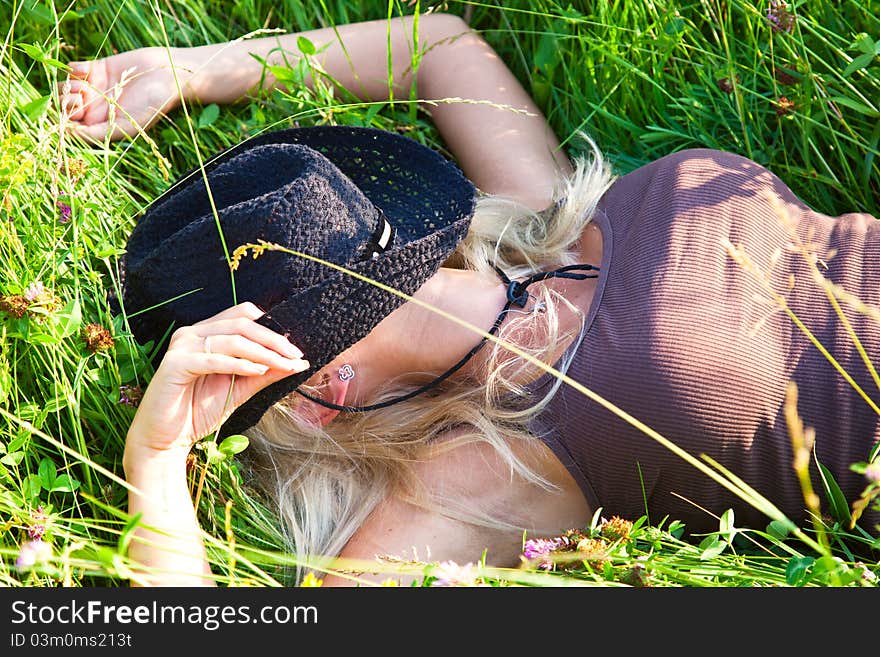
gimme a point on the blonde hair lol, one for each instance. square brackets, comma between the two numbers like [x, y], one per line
[327, 480]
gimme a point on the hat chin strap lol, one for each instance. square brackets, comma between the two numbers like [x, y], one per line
[517, 295]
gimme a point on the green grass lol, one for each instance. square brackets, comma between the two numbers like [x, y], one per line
[642, 77]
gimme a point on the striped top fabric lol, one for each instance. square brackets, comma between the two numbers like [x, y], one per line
[686, 334]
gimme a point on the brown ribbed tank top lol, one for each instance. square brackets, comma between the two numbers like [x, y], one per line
[680, 336]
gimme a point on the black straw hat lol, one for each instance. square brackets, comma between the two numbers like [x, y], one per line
[369, 200]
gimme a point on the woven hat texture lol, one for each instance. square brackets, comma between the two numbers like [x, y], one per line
[324, 191]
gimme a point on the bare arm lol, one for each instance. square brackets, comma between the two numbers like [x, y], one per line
[191, 393]
[167, 547]
[496, 132]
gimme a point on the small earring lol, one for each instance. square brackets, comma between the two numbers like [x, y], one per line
[346, 372]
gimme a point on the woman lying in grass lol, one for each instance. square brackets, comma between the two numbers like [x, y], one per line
[684, 297]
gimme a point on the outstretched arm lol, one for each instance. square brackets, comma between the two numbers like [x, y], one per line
[496, 132]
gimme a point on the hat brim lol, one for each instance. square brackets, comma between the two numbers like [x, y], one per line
[416, 187]
[346, 308]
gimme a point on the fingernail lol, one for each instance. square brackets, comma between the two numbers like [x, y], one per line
[292, 351]
[259, 369]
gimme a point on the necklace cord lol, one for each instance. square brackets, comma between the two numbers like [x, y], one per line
[517, 295]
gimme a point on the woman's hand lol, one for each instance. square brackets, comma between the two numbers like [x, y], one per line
[196, 388]
[120, 95]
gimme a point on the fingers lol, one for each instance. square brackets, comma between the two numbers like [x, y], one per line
[245, 309]
[239, 346]
[182, 365]
[72, 99]
[80, 70]
[95, 133]
[83, 97]
[231, 342]
[242, 319]
[246, 328]
[239, 337]
[201, 364]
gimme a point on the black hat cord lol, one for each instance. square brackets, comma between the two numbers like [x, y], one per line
[517, 295]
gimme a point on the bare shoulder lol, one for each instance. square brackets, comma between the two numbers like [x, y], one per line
[527, 486]
[467, 501]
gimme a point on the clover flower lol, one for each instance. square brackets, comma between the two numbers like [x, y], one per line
[616, 529]
[130, 395]
[34, 291]
[593, 551]
[14, 305]
[76, 168]
[540, 549]
[35, 298]
[32, 553]
[637, 575]
[780, 17]
[784, 77]
[727, 85]
[784, 106]
[64, 210]
[449, 573]
[37, 529]
[40, 298]
[97, 338]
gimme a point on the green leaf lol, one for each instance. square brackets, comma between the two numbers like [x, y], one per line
[286, 74]
[209, 115]
[42, 338]
[234, 444]
[213, 454]
[372, 111]
[797, 572]
[711, 547]
[12, 459]
[674, 26]
[547, 54]
[778, 529]
[858, 63]
[56, 404]
[18, 442]
[864, 43]
[727, 529]
[65, 483]
[305, 46]
[35, 108]
[837, 503]
[68, 320]
[127, 533]
[828, 568]
[39, 13]
[861, 108]
[47, 473]
[31, 486]
[34, 51]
